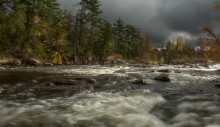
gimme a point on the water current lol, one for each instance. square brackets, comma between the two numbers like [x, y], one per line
[191, 99]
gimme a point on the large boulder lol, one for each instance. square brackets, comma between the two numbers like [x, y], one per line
[31, 62]
[163, 78]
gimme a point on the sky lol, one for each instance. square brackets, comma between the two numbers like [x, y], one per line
[162, 20]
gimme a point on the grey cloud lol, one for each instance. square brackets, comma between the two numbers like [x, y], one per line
[159, 18]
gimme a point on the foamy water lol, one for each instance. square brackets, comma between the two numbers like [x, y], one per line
[85, 109]
[159, 104]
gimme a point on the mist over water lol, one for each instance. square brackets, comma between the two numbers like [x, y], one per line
[189, 100]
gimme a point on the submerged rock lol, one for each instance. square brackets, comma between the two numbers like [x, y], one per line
[165, 71]
[123, 71]
[66, 82]
[163, 78]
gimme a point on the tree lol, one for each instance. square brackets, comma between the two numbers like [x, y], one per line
[209, 43]
[104, 41]
[131, 41]
[93, 16]
[118, 28]
[180, 43]
[169, 46]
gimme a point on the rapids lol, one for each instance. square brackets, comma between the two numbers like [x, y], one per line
[189, 100]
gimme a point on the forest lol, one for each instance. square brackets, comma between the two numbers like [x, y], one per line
[40, 29]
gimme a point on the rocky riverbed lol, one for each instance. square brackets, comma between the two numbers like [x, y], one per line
[110, 96]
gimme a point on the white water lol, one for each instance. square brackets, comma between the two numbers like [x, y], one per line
[131, 108]
[127, 109]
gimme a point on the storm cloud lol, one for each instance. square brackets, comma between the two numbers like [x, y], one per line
[162, 19]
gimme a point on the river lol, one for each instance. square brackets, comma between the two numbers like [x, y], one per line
[191, 99]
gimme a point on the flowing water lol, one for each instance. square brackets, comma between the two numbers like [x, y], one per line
[191, 99]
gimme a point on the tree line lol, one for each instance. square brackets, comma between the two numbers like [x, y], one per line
[40, 29]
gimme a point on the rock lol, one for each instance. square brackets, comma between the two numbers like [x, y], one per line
[90, 80]
[4, 62]
[33, 81]
[140, 82]
[165, 70]
[31, 62]
[15, 62]
[206, 66]
[59, 63]
[163, 78]
[49, 84]
[177, 71]
[121, 71]
[2, 90]
[135, 75]
[48, 64]
[67, 82]
[217, 86]
[153, 71]
[66, 63]
[121, 61]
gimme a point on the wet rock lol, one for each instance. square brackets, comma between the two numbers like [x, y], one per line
[206, 65]
[31, 62]
[153, 71]
[177, 71]
[217, 86]
[140, 82]
[90, 80]
[66, 63]
[59, 63]
[49, 84]
[67, 82]
[165, 70]
[2, 90]
[48, 64]
[121, 71]
[33, 81]
[163, 78]
[120, 61]
[162, 65]
[135, 75]
[15, 62]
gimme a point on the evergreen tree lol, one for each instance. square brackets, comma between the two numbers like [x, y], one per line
[104, 41]
[118, 28]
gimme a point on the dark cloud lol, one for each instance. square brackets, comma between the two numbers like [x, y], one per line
[161, 19]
